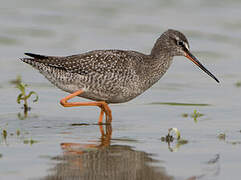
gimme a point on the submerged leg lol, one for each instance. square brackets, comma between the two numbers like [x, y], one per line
[101, 104]
[101, 116]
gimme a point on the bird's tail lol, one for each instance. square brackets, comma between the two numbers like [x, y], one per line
[36, 56]
[35, 61]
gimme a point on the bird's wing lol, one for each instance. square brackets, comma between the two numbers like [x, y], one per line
[51, 61]
[99, 61]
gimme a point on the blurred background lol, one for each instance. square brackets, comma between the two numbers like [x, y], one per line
[211, 141]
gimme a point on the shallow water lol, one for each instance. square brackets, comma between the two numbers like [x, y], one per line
[51, 145]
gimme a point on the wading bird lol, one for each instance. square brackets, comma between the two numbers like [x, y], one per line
[112, 76]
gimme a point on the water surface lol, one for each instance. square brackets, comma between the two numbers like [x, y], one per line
[50, 147]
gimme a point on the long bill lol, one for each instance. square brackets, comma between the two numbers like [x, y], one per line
[194, 59]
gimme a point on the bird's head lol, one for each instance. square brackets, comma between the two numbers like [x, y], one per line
[174, 43]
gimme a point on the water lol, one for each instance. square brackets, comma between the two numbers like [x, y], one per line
[50, 147]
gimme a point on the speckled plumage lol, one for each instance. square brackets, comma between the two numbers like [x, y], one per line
[113, 76]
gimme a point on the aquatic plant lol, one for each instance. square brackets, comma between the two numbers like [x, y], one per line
[23, 96]
[238, 84]
[185, 115]
[222, 136]
[18, 132]
[30, 141]
[4, 133]
[178, 104]
[169, 138]
[178, 134]
[194, 115]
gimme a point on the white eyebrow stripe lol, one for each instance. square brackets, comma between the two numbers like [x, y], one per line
[186, 46]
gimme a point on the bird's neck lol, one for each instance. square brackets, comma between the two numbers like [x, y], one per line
[161, 48]
[161, 55]
[154, 69]
[160, 65]
[157, 63]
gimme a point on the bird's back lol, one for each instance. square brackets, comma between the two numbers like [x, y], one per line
[99, 61]
[109, 75]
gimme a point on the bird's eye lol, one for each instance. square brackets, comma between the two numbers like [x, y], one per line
[180, 43]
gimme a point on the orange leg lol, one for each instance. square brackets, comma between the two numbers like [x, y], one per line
[79, 148]
[101, 104]
[101, 116]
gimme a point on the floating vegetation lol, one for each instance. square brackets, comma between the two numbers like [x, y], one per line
[24, 96]
[80, 124]
[18, 132]
[234, 142]
[222, 136]
[178, 134]
[1, 155]
[194, 115]
[124, 139]
[4, 133]
[7, 136]
[185, 115]
[169, 138]
[178, 104]
[30, 141]
[238, 84]
[182, 141]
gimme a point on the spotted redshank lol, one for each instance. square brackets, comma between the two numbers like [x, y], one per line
[112, 76]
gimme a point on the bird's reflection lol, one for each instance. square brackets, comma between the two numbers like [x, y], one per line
[103, 161]
[80, 148]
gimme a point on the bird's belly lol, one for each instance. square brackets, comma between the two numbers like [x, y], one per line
[115, 97]
[101, 89]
